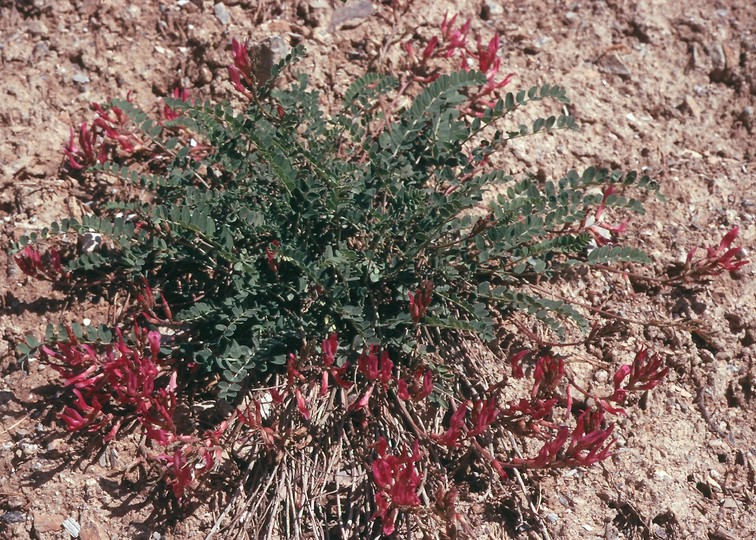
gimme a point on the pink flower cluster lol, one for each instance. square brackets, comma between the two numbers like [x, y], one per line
[241, 71]
[127, 384]
[594, 224]
[35, 264]
[420, 300]
[718, 259]
[118, 384]
[646, 372]
[178, 93]
[483, 414]
[108, 131]
[455, 41]
[587, 444]
[398, 482]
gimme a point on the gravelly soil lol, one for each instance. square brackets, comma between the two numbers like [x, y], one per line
[664, 85]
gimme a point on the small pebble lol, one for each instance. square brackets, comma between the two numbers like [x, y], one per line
[729, 503]
[660, 532]
[28, 449]
[662, 475]
[72, 526]
[14, 516]
[80, 78]
[491, 9]
[222, 13]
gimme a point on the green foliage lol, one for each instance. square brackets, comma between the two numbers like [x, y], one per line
[285, 224]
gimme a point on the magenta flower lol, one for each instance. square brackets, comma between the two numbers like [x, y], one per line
[398, 482]
[548, 373]
[178, 93]
[420, 300]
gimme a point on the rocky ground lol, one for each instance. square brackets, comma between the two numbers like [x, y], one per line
[667, 86]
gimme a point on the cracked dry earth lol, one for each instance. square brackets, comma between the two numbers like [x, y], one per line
[664, 85]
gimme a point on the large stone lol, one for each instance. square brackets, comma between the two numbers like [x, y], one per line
[47, 523]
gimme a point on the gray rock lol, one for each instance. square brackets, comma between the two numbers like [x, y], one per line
[80, 78]
[717, 56]
[14, 516]
[222, 14]
[350, 13]
[29, 449]
[690, 106]
[491, 9]
[612, 64]
[265, 54]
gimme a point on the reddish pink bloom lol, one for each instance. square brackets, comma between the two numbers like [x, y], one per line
[548, 373]
[456, 39]
[292, 370]
[398, 482]
[178, 93]
[181, 471]
[430, 49]
[90, 149]
[32, 263]
[271, 256]
[420, 300]
[123, 379]
[516, 362]
[241, 73]
[301, 404]
[602, 232]
[363, 401]
[488, 59]
[74, 421]
[422, 386]
[483, 415]
[109, 130]
[452, 435]
[536, 409]
[276, 396]
[154, 339]
[403, 390]
[374, 367]
[588, 443]
[548, 453]
[646, 372]
[329, 347]
[718, 259]
[29, 260]
[113, 432]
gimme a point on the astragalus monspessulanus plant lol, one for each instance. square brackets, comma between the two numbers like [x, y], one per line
[318, 273]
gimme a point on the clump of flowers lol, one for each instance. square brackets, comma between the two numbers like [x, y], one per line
[35, 264]
[398, 482]
[110, 130]
[454, 41]
[718, 259]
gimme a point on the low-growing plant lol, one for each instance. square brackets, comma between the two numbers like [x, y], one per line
[315, 269]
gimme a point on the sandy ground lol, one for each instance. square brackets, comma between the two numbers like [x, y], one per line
[667, 86]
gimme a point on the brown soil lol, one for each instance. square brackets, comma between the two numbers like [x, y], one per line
[665, 85]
